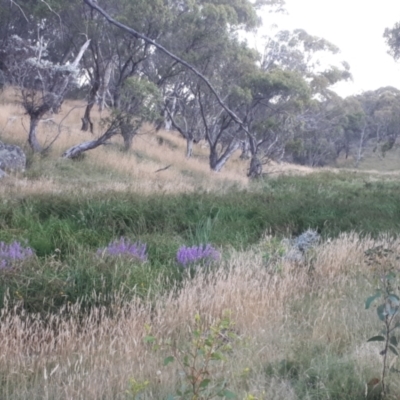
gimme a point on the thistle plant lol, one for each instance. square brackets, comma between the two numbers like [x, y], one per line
[12, 253]
[197, 255]
[124, 247]
[388, 313]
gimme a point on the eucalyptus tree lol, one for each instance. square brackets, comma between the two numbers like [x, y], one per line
[315, 133]
[355, 130]
[114, 56]
[139, 102]
[36, 58]
[392, 38]
[300, 51]
[270, 99]
[286, 92]
[382, 110]
[197, 114]
[42, 84]
[205, 35]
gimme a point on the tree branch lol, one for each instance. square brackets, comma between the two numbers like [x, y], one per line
[22, 11]
[92, 4]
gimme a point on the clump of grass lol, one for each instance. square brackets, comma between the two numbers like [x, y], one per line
[317, 373]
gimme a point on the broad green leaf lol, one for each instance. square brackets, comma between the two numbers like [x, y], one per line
[169, 360]
[390, 276]
[228, 394]
[381, 312]
[186, 361]
[170, 397]
[196, 333]
[378, 338]
[393, 350]
[204, 383]
[391, 310]
[217, 356]
[201, 352]
[394, 298]
[149, 339]
[371, 299]
[393, 341]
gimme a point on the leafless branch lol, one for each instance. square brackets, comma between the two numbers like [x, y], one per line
[163, 169]
[49, 7]
[22, 11]
[59, 127]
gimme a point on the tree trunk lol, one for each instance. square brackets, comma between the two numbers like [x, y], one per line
[359, 154]
[189, 147]
[217, 163]
[32, 138]
[76, 151]
[105, 83]
[128, 132]
[87, 123]
[86, 120]
[169, 114]
[246, 154]
[255, 169]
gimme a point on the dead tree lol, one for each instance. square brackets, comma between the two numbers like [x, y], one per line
[42, 84]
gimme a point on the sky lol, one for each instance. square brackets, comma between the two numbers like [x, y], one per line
[356, 27]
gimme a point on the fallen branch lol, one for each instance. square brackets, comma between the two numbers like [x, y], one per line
[163, 169]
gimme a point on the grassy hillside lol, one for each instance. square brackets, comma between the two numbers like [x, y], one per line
[79, 322]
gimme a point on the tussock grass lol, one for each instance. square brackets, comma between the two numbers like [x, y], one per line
[309, 317]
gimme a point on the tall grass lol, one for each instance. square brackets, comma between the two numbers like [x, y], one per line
[302, 333]
[287, 205]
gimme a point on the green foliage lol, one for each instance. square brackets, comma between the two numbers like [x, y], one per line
[71, 228]
[136, 388]
[388, 313]
[392, 37]
[202, 362]
[316, 373]
[46, 285]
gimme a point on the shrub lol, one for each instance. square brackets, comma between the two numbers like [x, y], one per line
[195, 255]
[124, 247]
[14, 252]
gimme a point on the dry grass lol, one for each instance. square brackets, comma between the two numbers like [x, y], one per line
[136, 169]
[274, 314]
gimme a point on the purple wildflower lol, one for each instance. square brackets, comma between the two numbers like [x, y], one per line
[203, 254]
[11, 253]
[124, 247]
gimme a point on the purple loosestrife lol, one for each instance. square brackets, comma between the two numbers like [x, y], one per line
[12, 253]
[203, 254]
[124, 247]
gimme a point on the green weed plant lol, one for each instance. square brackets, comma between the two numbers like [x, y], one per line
[388, 312]
[202, 363]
